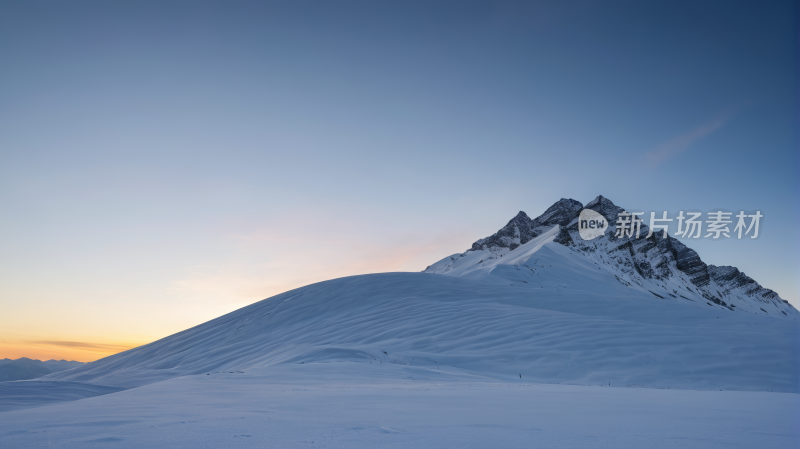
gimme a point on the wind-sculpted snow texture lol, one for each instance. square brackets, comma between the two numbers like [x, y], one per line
[580, 314]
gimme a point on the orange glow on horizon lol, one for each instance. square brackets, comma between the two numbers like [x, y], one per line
[61, 350]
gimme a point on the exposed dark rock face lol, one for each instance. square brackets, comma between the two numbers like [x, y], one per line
[561, 213]
[517, 232]
[688, 261]
[604, 207]
[521, 229]
[731, 278]
[564, 237]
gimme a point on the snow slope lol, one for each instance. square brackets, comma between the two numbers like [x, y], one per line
[578, 326]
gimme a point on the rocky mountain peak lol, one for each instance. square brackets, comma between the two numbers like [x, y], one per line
[605, 207]
[521, 229]
[521, 217]
[561, 213]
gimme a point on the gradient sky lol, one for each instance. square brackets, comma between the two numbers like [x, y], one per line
[163, 163]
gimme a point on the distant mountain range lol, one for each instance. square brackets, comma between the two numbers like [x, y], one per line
[25, 368]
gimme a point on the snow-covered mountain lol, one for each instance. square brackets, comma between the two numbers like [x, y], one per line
[664, 267]
[534, 302]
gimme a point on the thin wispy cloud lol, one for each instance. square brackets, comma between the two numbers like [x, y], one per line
[680, 144]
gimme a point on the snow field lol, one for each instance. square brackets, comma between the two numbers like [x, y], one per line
[358, 404]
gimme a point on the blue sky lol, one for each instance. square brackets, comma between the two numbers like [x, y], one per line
[161, 164]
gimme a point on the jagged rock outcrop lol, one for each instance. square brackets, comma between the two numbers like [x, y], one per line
[604, 207]
[688, 261]
[521, 229]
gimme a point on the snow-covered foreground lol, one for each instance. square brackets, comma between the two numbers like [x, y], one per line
[363, 404]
